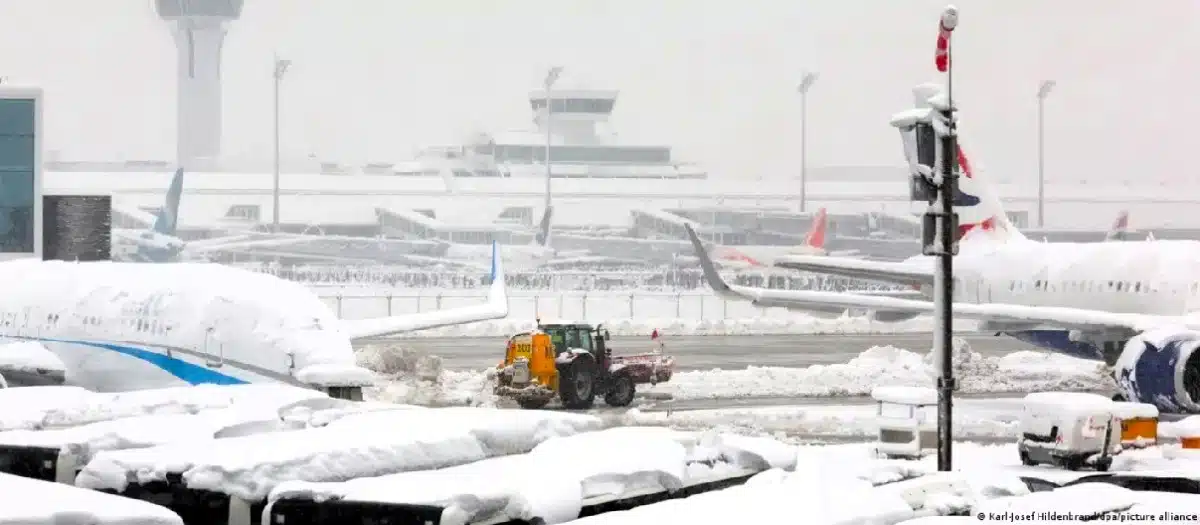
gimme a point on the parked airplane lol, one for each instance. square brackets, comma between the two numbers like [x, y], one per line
[160, 243]
[1134, 305]
[1120, 228]
[741, 258]
[128, 326]
[540, 253]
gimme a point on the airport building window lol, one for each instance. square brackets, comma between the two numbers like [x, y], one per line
[243, 211]
[584, 154]
[18, 161]
[575, 105]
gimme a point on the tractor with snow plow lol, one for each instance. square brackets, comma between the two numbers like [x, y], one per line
[573, 363]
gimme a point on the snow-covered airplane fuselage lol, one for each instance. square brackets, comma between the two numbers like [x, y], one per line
[129, 326]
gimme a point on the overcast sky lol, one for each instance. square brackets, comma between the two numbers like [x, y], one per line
[374, 79]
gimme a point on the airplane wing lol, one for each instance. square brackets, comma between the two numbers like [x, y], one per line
[496, 307]
[1067, 318]
[884, 271]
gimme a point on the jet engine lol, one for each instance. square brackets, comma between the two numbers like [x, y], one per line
[1161, 368]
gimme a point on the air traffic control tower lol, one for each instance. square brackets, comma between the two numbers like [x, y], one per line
[199, 29]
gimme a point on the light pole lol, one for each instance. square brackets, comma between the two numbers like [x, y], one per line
[806, 82]
[281, 66]
[1043, 92]
[548, 84]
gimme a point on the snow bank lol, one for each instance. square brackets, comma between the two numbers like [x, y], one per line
[774, 497]
[791, 323]
[85, 441]
[357, 445]
[29, 356]
[887, 365]
[42, 502]
[1075, 501]
[67, 408]
[555, 480]
[1021, 371]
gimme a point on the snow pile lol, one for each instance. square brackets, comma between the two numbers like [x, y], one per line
[309, 415]
[39, 502]
[1074, 503]
[558, 477]
[1021, 371]
[142, 431]
[29, 356]
[75, 407]
[791, 323]
[887, 365]
[26, 407]
[357, 445]
[417, 378]
[774, 496]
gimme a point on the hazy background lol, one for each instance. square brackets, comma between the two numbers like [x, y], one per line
[373, 79]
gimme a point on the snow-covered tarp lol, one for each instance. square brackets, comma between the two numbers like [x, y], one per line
[33, 408]
[353, 446]
[555, 480]
[84, 441]
[29, 356]
[29, 501]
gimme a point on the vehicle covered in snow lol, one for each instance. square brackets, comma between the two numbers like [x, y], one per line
[572, 362]
[1072, 430]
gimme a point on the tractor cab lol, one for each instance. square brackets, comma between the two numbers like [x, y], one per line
[578, 335]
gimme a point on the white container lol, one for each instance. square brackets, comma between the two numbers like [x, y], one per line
[906, 427]
[1068, 429]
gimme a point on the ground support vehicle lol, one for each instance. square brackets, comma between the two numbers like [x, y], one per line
[573, 363]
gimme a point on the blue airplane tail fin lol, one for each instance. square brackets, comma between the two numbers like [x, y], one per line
[168, 217]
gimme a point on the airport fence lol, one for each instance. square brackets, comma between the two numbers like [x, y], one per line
[533, 304]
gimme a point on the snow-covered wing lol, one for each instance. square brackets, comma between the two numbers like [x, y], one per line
[495, 308]
[1068, 318]
[891, 272]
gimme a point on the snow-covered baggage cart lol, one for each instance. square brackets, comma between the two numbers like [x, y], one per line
[49, 433]
[905, 428]
[559, 480]
[1139, 424]
[226, 481]
[1069, 429]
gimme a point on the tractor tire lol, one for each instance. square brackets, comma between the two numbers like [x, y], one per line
[577, 384]
[620, 393]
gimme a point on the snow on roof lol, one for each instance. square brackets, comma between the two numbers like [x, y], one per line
[905, 395]
[559, 476]
[1127, 410]
[367, 444]
[1186, 427]
[32, 408]
[1074, 402]
[774, 496]
[29, 356]
[142, 431]
[43, 502]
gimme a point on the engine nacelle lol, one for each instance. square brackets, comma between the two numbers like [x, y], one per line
[1162, 368]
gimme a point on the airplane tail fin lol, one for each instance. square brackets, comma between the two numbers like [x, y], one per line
[1120, 227]
[497, 293]
[542, 237]
[816, 234]
[168, 216]
[980, 212]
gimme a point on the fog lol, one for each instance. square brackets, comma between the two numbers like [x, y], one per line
[373, 79]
